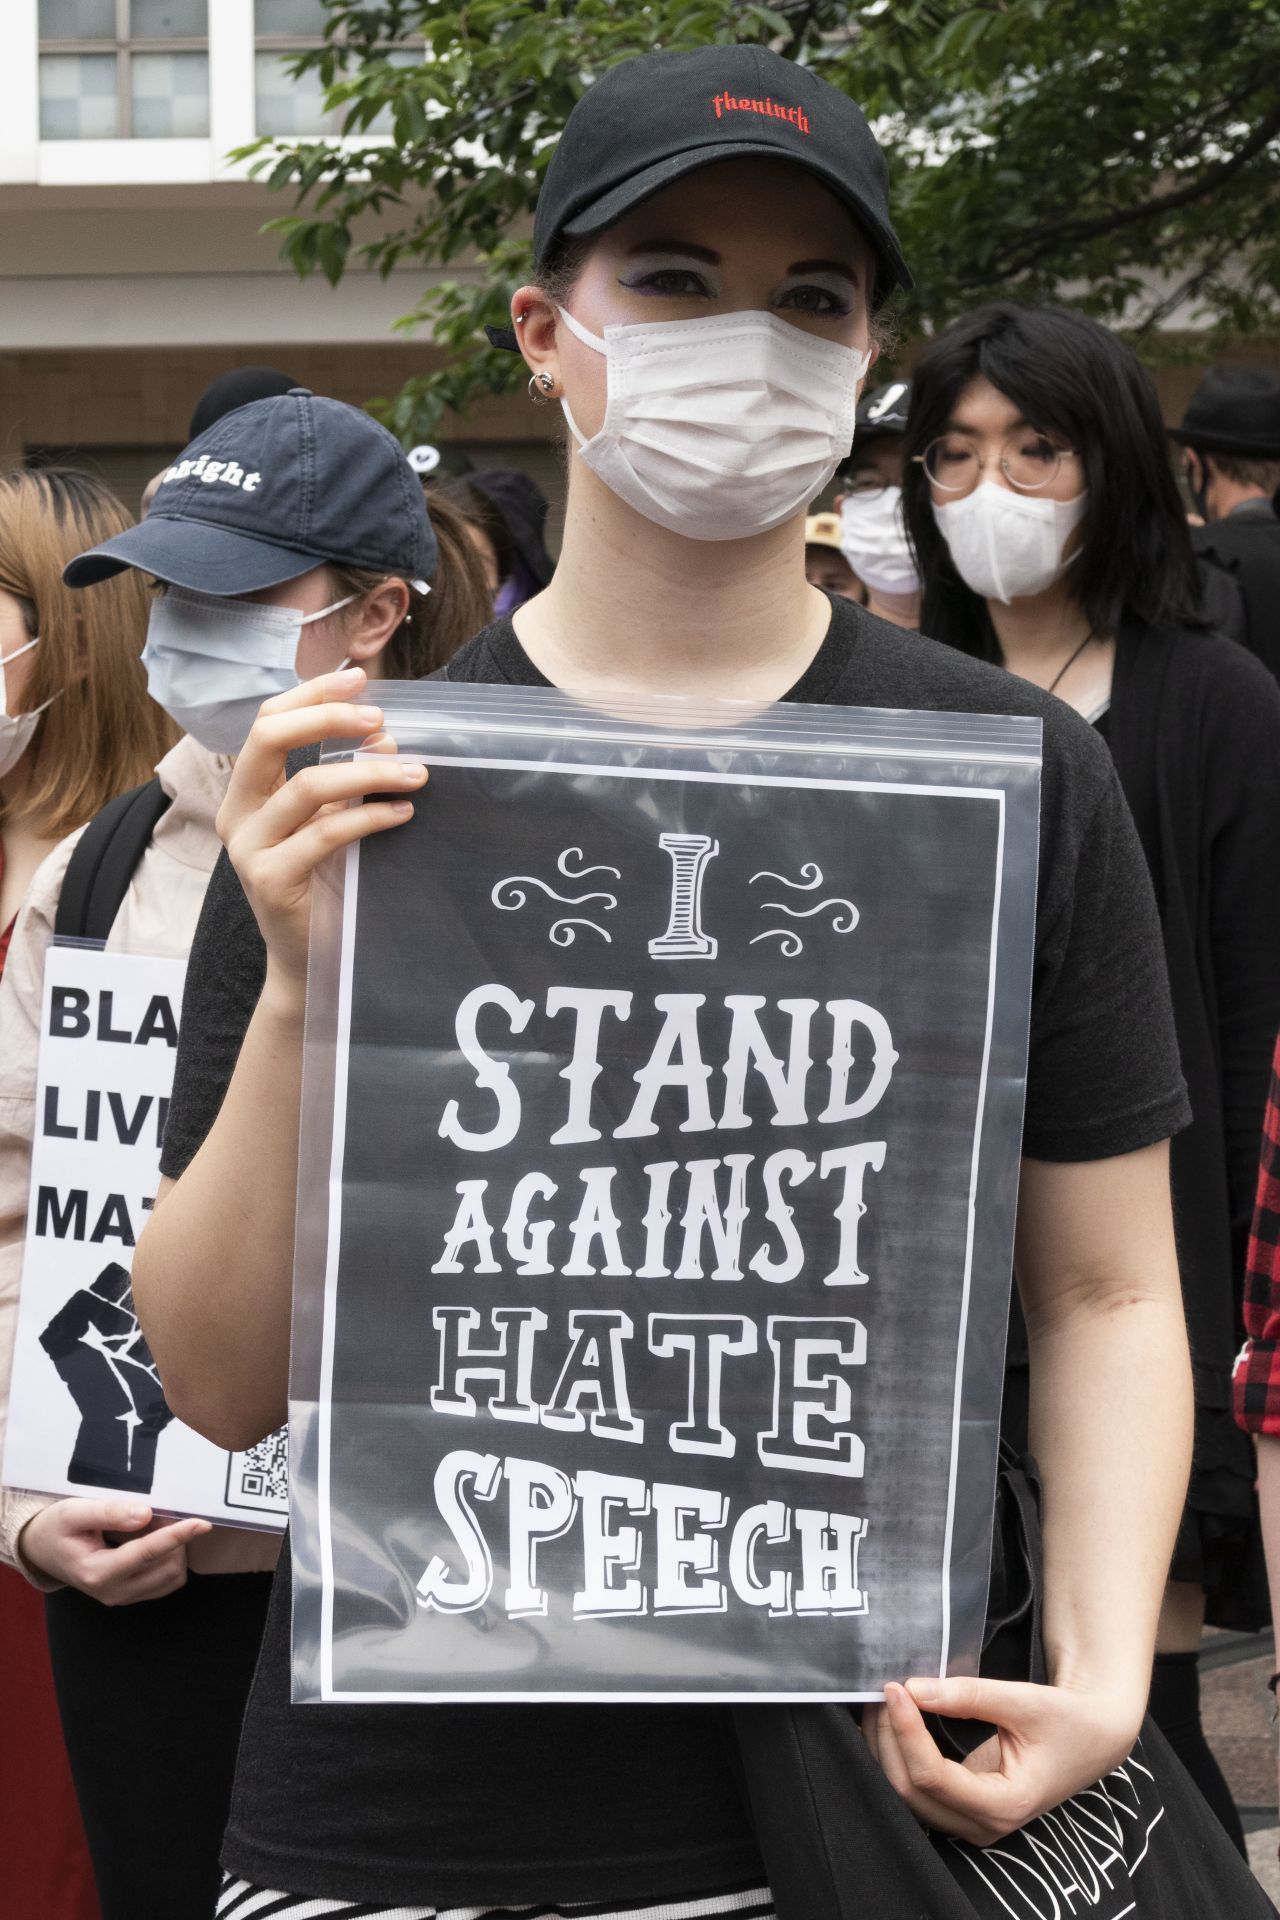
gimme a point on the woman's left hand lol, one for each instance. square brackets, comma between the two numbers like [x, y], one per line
[1049, 1743]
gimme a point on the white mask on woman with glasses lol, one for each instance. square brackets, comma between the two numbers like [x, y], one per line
[1006, 545]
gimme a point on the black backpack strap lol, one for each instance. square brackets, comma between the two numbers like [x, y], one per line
[103, 863]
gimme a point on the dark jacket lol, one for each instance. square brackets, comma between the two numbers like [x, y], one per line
[1194, 729]
[1246, 546]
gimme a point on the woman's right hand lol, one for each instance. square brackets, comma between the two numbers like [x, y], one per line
[277, 831]
[68, 1542]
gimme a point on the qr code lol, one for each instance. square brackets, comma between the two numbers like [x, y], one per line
[258, 1478]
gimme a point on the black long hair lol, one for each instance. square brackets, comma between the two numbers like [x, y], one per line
[1070, 377]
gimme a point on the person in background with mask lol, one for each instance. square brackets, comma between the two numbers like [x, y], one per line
[322, 559]
[824, 563]
[1042, 504]
[235, 388]
[1230, 436]
[506, 511]
[76, 728]
[873, 533]
[711, 247]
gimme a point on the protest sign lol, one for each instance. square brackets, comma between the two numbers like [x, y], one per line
[660, 1145]
[87, 1413]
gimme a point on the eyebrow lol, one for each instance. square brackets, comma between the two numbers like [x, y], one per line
[675, 246]
[841, 267]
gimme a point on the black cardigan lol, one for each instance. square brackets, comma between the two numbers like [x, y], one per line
[1194, 729]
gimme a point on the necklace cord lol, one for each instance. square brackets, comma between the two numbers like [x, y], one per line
[1060, 675]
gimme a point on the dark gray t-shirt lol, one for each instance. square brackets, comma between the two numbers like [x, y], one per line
[497, 1803]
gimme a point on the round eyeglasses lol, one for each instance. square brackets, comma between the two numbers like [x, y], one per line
[1028, 460]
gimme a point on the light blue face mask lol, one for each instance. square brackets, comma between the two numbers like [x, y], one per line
[211, 662]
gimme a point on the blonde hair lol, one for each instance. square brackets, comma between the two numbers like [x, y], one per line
[101, 734]
[437, 624]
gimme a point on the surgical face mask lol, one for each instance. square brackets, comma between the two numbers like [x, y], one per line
[16, 729]
[873, 538]
[1006, 545]
[211, 662]
[723, 427]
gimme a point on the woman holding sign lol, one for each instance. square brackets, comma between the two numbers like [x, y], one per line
[76, 728]
[1045, 510]
[154, 1623]
[711, 248]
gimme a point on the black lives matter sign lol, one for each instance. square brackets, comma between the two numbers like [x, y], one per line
[676, 1128]
[87, 1412]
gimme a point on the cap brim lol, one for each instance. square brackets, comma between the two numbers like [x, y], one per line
[642, 186]
[191, 553]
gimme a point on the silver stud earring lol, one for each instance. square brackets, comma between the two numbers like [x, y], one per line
[542, 386]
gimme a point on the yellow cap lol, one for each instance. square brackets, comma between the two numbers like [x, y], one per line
[822, 530]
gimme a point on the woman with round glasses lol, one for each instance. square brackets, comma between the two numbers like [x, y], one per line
[1051, 538]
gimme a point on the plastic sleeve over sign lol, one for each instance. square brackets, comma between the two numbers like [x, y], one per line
[662, 1108]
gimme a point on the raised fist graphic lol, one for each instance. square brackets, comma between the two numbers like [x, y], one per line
[97, 1346]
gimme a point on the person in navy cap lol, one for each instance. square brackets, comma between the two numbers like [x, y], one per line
[1230, 436]
[711, 250]
[290, 535]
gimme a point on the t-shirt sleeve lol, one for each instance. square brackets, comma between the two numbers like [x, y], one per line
[1103, 1074]
[225, 972]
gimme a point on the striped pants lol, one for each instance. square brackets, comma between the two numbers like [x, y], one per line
[241, 1900]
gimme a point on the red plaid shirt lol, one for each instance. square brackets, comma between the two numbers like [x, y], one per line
[1257, 1371]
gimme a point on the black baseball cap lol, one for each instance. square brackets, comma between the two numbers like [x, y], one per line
[882, 413]
[1234, 410]
[270, 491]
[657, 118]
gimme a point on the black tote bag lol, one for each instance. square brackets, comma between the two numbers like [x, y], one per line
[838, 1843]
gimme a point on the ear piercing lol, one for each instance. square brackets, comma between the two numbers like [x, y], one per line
[542, 388]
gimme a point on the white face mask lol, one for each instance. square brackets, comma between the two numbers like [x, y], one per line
[1009, 546]
[16, 729]
[211, 662]
[723, 427]
[873, 537]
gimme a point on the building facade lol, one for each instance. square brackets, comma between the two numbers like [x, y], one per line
[132, 265]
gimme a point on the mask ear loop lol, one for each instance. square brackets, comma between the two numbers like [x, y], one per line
[4, 687]
[597, 345]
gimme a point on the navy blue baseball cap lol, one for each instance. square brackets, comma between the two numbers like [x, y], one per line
[270, 491]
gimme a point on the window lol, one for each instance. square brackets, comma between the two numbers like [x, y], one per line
[294, 107]
[124, 69]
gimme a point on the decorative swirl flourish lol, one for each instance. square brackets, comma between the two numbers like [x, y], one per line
[583, 873]
[562, 933]
[792, 944]
[806, 913]
[517, 882]
[811, 870]
[511, 894]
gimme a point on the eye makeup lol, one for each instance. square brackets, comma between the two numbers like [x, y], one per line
[674, 271]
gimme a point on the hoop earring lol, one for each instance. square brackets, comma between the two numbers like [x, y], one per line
[542, 388]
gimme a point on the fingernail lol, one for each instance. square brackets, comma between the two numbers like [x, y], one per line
[411, 772]
[402, 806]
[371, 715]
[137, 1513]
[925, 1690]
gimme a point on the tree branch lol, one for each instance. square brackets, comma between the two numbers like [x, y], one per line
[1029, 248]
